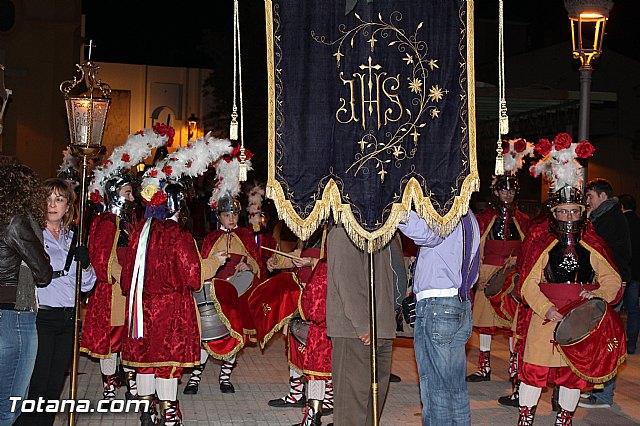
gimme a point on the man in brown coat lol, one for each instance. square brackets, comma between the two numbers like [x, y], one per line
[348, 326]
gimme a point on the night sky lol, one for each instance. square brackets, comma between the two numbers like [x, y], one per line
[199, 34]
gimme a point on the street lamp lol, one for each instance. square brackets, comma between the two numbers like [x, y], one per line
[192, 123]
[87, 100]
[588, 19]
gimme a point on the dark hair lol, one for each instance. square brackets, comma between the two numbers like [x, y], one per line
[599, 186]
[21, 193]
[628, 202]
[63, 187]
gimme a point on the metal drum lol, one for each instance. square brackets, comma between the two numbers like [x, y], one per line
[241, 281]
[495, 283]
[210, 324]
[580, 322]
[299, 330]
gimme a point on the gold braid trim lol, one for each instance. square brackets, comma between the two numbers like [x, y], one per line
[315, 373]
[227, 324]
[95, 355]
[591, 379]
[160, 364]
[497, 317]
[603, 261]
[538, 262]
[331, 200]
[113, 255]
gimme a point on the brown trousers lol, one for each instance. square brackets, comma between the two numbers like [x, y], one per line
[352, 380]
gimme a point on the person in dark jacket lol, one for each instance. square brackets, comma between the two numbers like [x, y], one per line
[632, 291]
[610, 224]
[23, 265]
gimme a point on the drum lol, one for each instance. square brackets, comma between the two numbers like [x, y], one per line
[496, 281]
[272, 303]
[299, 330]
[241, 281]
[211, 326]
[591, 339]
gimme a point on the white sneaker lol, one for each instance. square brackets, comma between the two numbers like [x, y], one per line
[585, 395]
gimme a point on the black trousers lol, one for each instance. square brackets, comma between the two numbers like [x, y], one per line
[55, 348]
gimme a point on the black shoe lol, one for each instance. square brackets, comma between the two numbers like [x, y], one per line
[394, 379]
[227, 388]
[191, 389]
[283, 402]
[509, 400]
[476, 377]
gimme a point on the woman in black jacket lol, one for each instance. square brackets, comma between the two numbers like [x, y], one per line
[23, 265]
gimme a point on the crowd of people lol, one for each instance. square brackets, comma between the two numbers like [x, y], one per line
[160, 304]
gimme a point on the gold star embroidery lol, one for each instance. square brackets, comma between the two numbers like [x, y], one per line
[415, 85]
[408, 59]
[436, 93]
[397, 150]
[433, 63]
[434, 112]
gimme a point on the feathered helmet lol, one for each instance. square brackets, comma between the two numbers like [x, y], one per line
[225, 192]
[113, 174]
[255, 196]
[163, 181]
[513, 152]
[560, 166]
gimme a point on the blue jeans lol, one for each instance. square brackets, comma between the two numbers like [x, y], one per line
[443, 327]
[18, 349]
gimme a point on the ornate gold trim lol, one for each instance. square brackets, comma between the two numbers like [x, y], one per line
[237, 336]
[95, 355]
[591, 379]
[160, 364]
[113, 255]
[331, 200]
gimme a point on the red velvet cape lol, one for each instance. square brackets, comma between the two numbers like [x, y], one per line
[538, 239]
[96, 328]
[172, 274]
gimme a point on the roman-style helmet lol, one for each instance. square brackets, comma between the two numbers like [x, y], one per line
[513, 153]
[560, 166]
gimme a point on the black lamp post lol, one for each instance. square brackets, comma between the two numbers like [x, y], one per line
[87, 100]
[588, 20]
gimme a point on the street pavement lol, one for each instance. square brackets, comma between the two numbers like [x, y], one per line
[263, 375]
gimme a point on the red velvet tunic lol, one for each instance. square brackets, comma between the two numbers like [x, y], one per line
[172, 273]
[96, 329]
[317, 355]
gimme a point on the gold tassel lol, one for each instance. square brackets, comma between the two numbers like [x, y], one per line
[242, 170]
[233, 128]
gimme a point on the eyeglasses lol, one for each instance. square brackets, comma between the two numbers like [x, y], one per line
[572, 212]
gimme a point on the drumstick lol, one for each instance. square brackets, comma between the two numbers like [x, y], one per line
[281, 253]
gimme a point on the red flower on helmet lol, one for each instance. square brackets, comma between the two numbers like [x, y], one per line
[95, 197]
[125, 157]
[153, 173]
[164, 130]
[505, 147]
[585, 149]
[167, 170]
[562, 141]
[158, 199]
[520, 145]
[543, 147]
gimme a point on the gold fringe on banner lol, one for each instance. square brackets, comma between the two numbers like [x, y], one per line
[331, 199]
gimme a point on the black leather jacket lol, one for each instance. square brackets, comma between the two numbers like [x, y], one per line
[18, 242]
